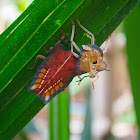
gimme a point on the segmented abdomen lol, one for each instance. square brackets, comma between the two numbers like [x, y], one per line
[54, 74]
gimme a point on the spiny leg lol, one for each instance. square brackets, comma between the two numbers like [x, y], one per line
[36, 60]
[63, 37]
[72, 42]
[95, 80]
[92, 36]
[105, 49]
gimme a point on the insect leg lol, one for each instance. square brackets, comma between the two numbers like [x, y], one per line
[92, 36]
[81, 79]
[105, 49]
[62, 38]
[72, 42]
[95, 80]
[36, 60]
[49, 51]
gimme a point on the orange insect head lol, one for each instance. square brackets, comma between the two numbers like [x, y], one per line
[91, 55]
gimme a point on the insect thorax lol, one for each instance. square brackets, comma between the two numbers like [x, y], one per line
[88, 58]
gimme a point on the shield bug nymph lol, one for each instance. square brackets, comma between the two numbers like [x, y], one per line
[62, 65]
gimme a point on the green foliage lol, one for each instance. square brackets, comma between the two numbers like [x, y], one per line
[59, 117]
[24, 39]
[133, 42]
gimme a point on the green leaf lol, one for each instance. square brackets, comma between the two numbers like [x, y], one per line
[133, 42]
[59, 117]
[24, 38]
[30, 34]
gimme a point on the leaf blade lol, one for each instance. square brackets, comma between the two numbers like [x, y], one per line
[25, 53]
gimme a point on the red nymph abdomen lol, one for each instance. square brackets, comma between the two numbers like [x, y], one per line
[55, 74]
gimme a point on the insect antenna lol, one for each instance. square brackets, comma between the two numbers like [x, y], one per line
[107, 70]
[103, 70]
[61, 40]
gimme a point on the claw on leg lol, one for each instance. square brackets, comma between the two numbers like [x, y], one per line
[79, 80]
[95, 80]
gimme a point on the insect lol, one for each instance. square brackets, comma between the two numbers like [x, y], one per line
[62, 65]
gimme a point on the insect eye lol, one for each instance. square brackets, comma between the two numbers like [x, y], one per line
[95, 62]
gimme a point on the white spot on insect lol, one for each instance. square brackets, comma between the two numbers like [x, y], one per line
[33, 87]
[46, 90]
[46, 74]
[58, 81]
[40, 86]
[42, 82]
[47, 97]
[50, 88]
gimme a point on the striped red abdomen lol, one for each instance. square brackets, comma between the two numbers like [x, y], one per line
[56, 74]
